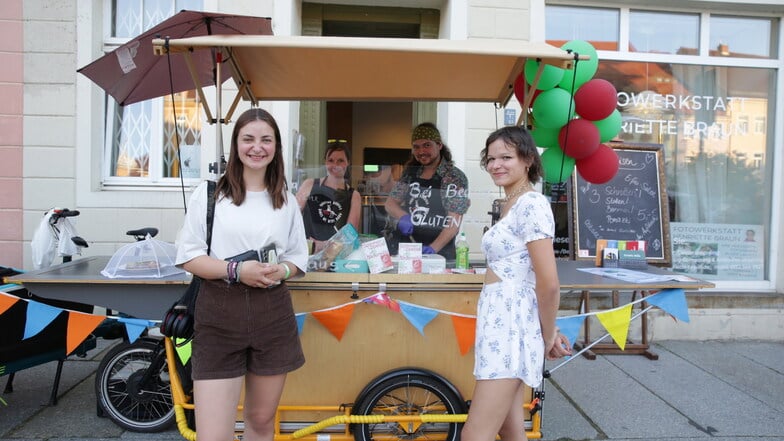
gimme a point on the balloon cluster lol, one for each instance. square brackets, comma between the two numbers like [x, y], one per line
[572, 115]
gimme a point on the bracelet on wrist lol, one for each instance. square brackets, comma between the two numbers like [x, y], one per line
[237, 272]
[228, 272]
[288, 271]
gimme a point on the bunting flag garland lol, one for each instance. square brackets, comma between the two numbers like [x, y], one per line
[80, 325]
[335, 319]
[673, 301]
[183, 349]
[383, 299]
[6, 302]
[300, 322]
[417, 315]
[570, 326]
[617, 321]
[134, 327]
[38, 317]
[465, 330]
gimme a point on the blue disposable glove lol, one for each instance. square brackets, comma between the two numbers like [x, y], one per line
[405, 225]
[427, 249]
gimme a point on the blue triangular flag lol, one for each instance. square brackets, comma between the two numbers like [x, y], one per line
[38, 317]
[134, 327]
[300, 321]
[671, 301]
[570, 326]
[418, 316]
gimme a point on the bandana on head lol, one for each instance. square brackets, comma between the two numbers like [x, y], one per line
[425, 132]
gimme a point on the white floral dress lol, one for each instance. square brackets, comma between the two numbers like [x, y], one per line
[509, 340]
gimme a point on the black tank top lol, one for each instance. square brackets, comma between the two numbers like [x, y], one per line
[326, 210]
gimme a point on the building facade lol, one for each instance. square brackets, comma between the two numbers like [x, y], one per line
[701, 79]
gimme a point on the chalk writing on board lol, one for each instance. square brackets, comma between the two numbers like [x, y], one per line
[631, 206]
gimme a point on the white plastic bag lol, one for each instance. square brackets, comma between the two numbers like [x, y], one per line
[47, 243]
[43, 243]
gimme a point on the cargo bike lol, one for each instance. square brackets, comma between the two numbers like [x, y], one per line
[370, 374]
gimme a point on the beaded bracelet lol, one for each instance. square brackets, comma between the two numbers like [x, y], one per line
[288, 271]
[237, 272]
[232, 275]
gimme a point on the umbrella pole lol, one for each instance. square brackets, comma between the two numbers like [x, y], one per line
[219, 120]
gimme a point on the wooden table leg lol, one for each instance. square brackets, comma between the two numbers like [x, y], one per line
[585, 306]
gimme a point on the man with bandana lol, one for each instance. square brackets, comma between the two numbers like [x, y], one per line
[427, 204]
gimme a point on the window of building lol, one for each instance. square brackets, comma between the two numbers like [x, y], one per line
[758, 160]
[719, 179]
[144, 145]
[597, 25]
[759, 125]
[666, 33]
[743, 36]
[743, 124]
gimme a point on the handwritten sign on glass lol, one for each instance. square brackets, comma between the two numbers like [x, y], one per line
[631, 206]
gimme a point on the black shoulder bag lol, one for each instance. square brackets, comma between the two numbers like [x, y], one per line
[178, 321]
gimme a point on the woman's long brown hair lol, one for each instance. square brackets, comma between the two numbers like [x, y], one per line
[231, 184]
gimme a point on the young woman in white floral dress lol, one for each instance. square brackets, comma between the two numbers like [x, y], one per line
[515, 327]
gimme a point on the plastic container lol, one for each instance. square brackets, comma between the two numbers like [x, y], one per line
[461, 248]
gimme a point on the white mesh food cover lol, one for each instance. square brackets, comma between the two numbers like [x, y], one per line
[148, 258]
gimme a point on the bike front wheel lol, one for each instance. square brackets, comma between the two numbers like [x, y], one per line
[124, 396]
[409, 394]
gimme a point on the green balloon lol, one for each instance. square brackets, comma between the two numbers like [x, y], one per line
[557, 166]
[545, 137]
[610, 126]
[551, 75]
[553, 108]
[585, 69]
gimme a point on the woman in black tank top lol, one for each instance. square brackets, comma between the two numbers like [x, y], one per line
[329, 203]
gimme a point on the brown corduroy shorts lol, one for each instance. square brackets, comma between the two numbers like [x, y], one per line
[240, 329]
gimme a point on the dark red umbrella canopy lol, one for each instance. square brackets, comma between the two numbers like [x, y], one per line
[133, 73]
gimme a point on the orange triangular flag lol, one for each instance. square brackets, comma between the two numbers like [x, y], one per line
[616, 321]
[465, 330]
[335, 320]
[80, 325]
[7, 301]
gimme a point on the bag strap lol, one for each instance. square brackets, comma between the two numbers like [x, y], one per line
[210, 212]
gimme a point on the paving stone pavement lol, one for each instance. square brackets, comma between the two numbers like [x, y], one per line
[695, 391]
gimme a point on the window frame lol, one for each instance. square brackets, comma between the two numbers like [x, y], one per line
[154, 178]
[771, 164]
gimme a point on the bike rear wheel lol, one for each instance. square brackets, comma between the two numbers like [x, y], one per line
[122, 396]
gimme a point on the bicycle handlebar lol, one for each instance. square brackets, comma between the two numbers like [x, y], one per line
[59, 213]
[141, 233]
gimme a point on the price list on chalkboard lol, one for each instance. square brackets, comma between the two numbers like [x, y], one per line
[631, 206]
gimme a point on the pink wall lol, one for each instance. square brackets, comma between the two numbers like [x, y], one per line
[11, 113]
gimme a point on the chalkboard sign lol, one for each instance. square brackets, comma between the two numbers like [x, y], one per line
[631, 206]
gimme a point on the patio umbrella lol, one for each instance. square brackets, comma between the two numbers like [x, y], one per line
[133, 73]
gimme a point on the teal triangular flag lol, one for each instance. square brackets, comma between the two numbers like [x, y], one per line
[134, 327]
[300, 322]
[671, 301]
[570, 326]
[38, 317]
[418, 316]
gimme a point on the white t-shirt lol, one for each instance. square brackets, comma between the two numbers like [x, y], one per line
[250, 226]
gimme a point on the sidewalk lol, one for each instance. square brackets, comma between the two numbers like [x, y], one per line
[695, 391]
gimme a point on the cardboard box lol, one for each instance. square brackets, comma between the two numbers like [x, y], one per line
[351, 266]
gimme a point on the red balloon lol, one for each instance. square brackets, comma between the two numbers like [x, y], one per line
[520, 88]
[599, 167]
[579, 138]
[595, 99]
